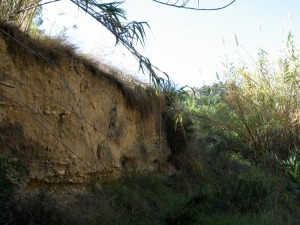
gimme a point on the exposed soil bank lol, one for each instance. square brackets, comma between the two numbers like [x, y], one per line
[73, 121]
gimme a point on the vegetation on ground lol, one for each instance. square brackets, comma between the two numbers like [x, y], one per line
[12, 174]
[224, 191]
[26, 14]
[238, 161]
[240, 165]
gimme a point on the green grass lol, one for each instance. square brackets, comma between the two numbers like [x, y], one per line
[225, 193]
[237, 168]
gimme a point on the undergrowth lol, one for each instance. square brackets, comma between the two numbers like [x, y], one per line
[253, 112]
[12, 174]
[240, 166]
[225, 191]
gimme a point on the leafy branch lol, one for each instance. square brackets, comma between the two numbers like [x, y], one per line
[113, 18]
[129, 34]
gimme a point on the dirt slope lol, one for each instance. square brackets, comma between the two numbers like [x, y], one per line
[71, 121]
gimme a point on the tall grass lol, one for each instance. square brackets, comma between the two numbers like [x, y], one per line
[252, 116]
[21, 12]
[292, 169]
[252, 197]
[257, 110]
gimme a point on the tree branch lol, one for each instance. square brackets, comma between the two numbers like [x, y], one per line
[183, 6]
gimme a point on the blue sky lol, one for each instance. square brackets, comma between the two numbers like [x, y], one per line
[188, 45]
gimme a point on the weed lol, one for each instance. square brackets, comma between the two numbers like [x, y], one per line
[292, 169]
[11, 175]
[252, 112]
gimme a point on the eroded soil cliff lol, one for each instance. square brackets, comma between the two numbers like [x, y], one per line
[72, 121]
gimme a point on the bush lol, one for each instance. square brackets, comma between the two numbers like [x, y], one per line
[253, 112]
[292, 169]
[216, 126]
[235, 191]
[176, 115]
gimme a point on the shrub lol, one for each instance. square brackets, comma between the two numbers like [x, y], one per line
[176, 115]
[215, 124]
[292, 170]
[253, 112]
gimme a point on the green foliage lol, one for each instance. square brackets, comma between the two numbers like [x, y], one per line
[234, 194]
[138, 200]
[176, 114]
[225, 192]
[248, 192]
[145, 199]
[251, 117]
[216, 125]
[127, 33]
[112, 17]
[253, 112]
[292, 169]
[241, 121]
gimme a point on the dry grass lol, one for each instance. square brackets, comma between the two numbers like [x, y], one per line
[138, 96]
[20, 12]
[295, 118]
